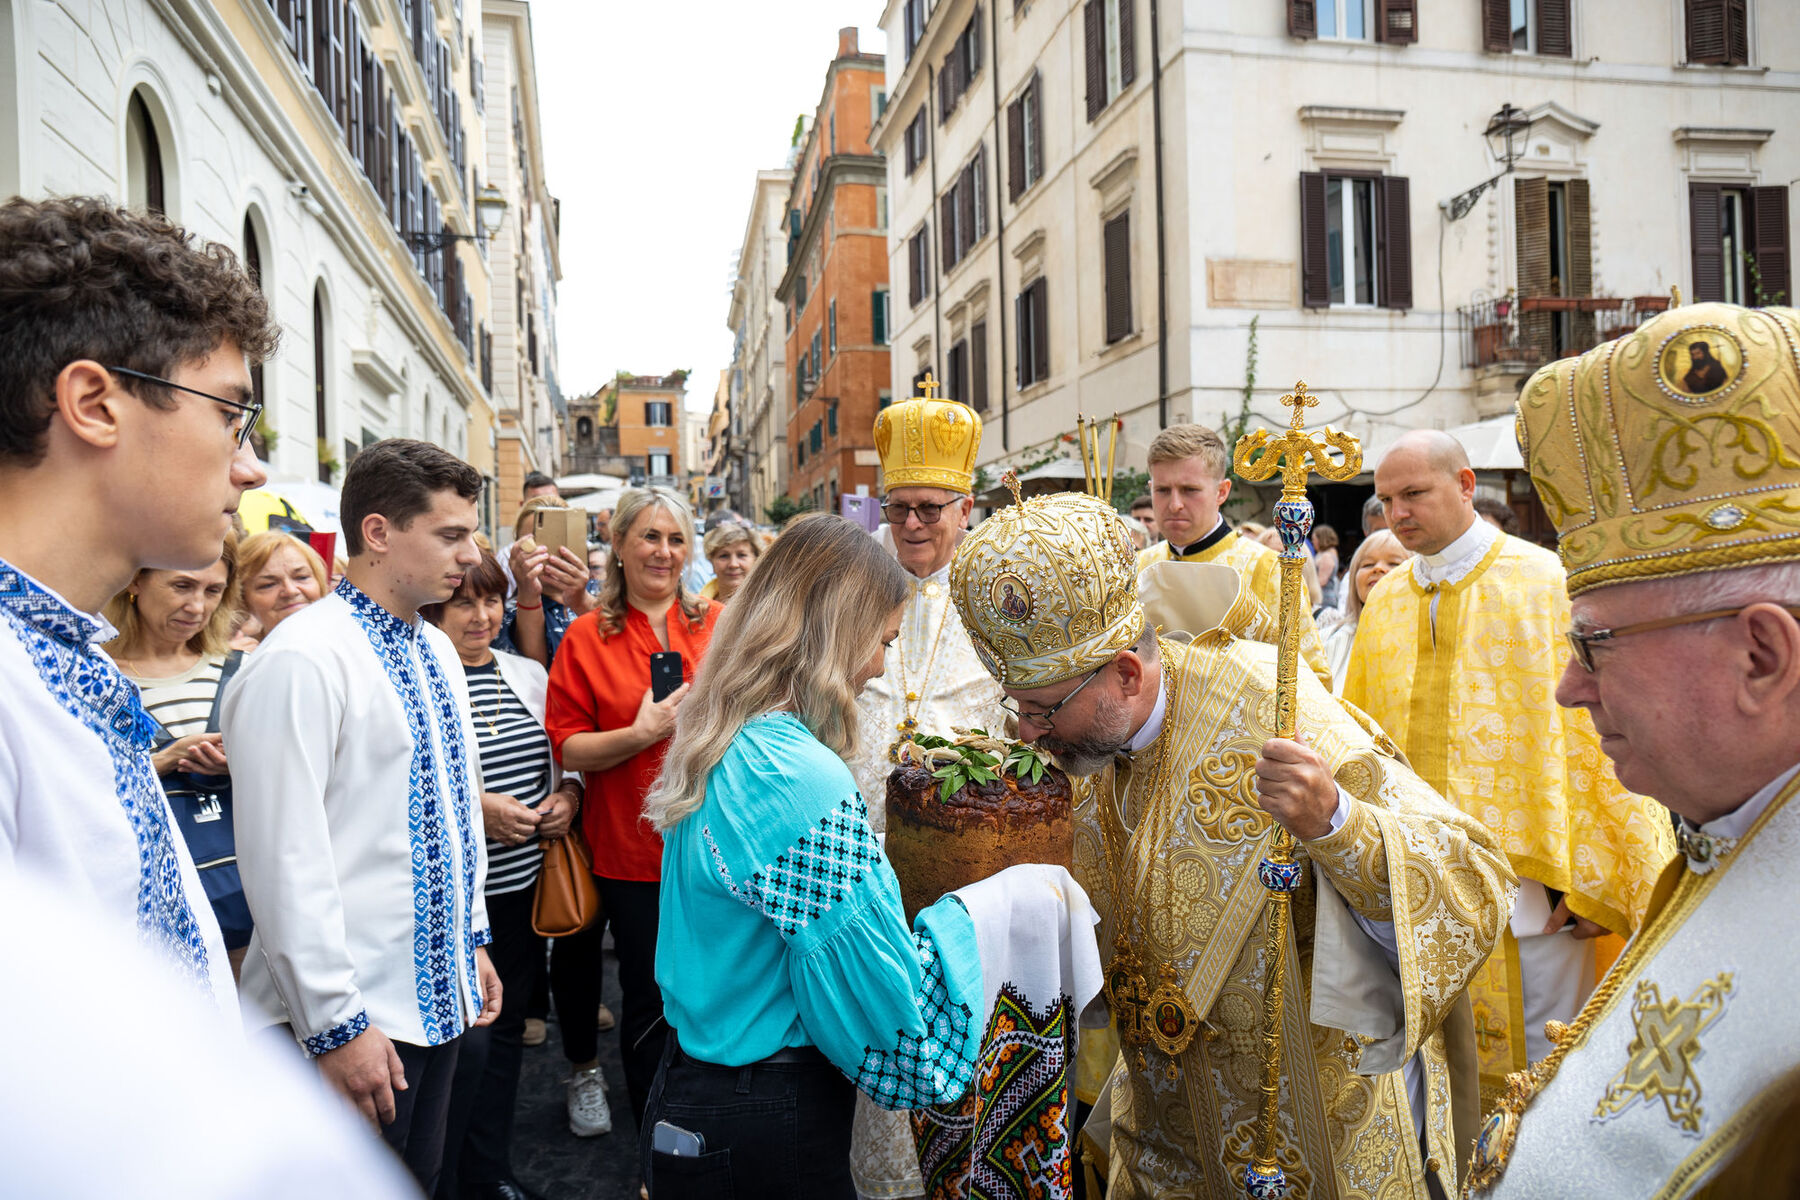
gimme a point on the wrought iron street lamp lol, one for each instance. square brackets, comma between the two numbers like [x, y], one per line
[1506, 133]
[490, 210]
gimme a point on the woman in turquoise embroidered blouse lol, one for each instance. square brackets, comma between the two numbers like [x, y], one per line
[783, 949]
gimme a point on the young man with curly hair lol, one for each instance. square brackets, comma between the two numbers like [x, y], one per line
[125, 413]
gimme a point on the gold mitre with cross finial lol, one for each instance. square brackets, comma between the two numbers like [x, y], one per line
[928, 441]
[1047, 588]
[1672, 450]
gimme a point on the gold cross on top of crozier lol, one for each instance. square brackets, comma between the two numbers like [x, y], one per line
[1299, 400]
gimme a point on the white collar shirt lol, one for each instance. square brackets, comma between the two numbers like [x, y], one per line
[359, 830]
[1456, 560]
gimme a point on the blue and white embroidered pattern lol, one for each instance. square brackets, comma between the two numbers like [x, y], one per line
[442, 912]
[814, 873]
[89, 688]
[340, 1034]
[934, 1069]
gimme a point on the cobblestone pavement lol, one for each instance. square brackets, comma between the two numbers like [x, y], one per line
[549, 1159]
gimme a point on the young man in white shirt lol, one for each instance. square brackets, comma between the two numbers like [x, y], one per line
[126, 408]
[359, 831]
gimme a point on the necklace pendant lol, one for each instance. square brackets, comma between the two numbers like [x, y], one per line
[1169, 1018]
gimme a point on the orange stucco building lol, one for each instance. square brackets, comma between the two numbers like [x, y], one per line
[834, 292]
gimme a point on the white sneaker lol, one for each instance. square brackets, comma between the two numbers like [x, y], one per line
[589, 1114]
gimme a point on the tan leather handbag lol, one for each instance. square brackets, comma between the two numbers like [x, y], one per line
[568, 899]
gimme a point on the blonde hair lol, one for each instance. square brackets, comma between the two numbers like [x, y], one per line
[1353, 604]
[793, 639]
[259, 548]
[214, 637]
[1179, 442]
[731, 534]
[632, 505]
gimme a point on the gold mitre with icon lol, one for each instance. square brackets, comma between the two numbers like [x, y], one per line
[1047, 589]
[928, 441]
[1672, 450]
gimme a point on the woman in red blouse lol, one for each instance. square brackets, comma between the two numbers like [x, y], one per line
[604, 723]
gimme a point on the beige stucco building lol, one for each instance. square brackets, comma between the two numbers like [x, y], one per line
[335, 144]
[1088, 213]
[754, 454]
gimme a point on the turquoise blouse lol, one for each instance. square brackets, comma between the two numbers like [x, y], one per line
[781, 926]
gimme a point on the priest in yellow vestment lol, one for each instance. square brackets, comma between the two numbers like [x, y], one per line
[1190, 480]
[1179, 783]
[1675, 491]
[1457, 655]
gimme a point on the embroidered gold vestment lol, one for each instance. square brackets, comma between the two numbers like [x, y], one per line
[1470, 696]
[1183, 1125]
[1261, 571]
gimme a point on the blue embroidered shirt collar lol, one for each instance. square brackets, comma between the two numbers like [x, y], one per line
[47, 612]
[367, 610]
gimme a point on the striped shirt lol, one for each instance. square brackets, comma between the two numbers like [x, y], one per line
[182, 703]
[515, 761]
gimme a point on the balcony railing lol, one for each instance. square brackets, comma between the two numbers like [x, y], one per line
[1532, 330]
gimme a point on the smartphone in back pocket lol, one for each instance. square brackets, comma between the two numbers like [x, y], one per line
[675, 1141]
[665, 674]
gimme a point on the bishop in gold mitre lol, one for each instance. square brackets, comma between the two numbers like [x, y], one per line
[933, 682]
[1179, 780]
[1457, 655]
[1675, 491]
[1190, 481]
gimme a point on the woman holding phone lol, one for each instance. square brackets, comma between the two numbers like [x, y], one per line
[606, 721]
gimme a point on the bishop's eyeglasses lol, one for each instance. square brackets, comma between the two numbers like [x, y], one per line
[1583, 642]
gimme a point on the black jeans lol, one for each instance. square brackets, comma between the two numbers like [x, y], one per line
[422, 1111]
[774, 1129]
[632, 907]
[479, 1145]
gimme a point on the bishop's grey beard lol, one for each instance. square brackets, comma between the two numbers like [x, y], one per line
[1108, 733]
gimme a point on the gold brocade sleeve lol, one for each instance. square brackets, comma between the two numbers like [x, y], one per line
[1407, 856]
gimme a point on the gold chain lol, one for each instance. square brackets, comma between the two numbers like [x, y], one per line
[908, 697]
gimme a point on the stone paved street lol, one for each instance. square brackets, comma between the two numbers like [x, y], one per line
[546, 1156]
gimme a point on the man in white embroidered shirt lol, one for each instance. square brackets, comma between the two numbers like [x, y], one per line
[126, 409]
[358, 824]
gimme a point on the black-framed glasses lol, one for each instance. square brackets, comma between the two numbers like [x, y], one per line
[896, 513]
[1047, 718]
[1583, 643]
[249, 413]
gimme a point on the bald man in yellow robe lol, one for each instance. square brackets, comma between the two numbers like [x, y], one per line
[1457, 657]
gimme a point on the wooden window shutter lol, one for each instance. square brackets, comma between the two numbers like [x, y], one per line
[946, 96]
[1093, 20]
[1394, 242]
[1116, 244]
[1496, 26]
[965, 216]
[958, 370]
[1303, 18]
[912, 270]
[1128, 42]
[1315, 275]
[1531, 238]
[1706, 37]
[1015, 148]
[1737, 33]
[1581, 240]
[1398, 22]
[1021, 339]
[1704, 201]
[877, 319]
[947, 238]
[978, 368]
[1553, 33]
[1769, 246]
[1040, 327]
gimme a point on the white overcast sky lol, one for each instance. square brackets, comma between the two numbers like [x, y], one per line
[656, 118]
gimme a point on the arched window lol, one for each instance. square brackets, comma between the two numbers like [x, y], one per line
[253, 264]
[143, 158]
[319, 395]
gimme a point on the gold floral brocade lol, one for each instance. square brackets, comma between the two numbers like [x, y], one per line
[1185, 1127]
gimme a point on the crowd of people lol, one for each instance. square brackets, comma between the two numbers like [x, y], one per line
[321, 795]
